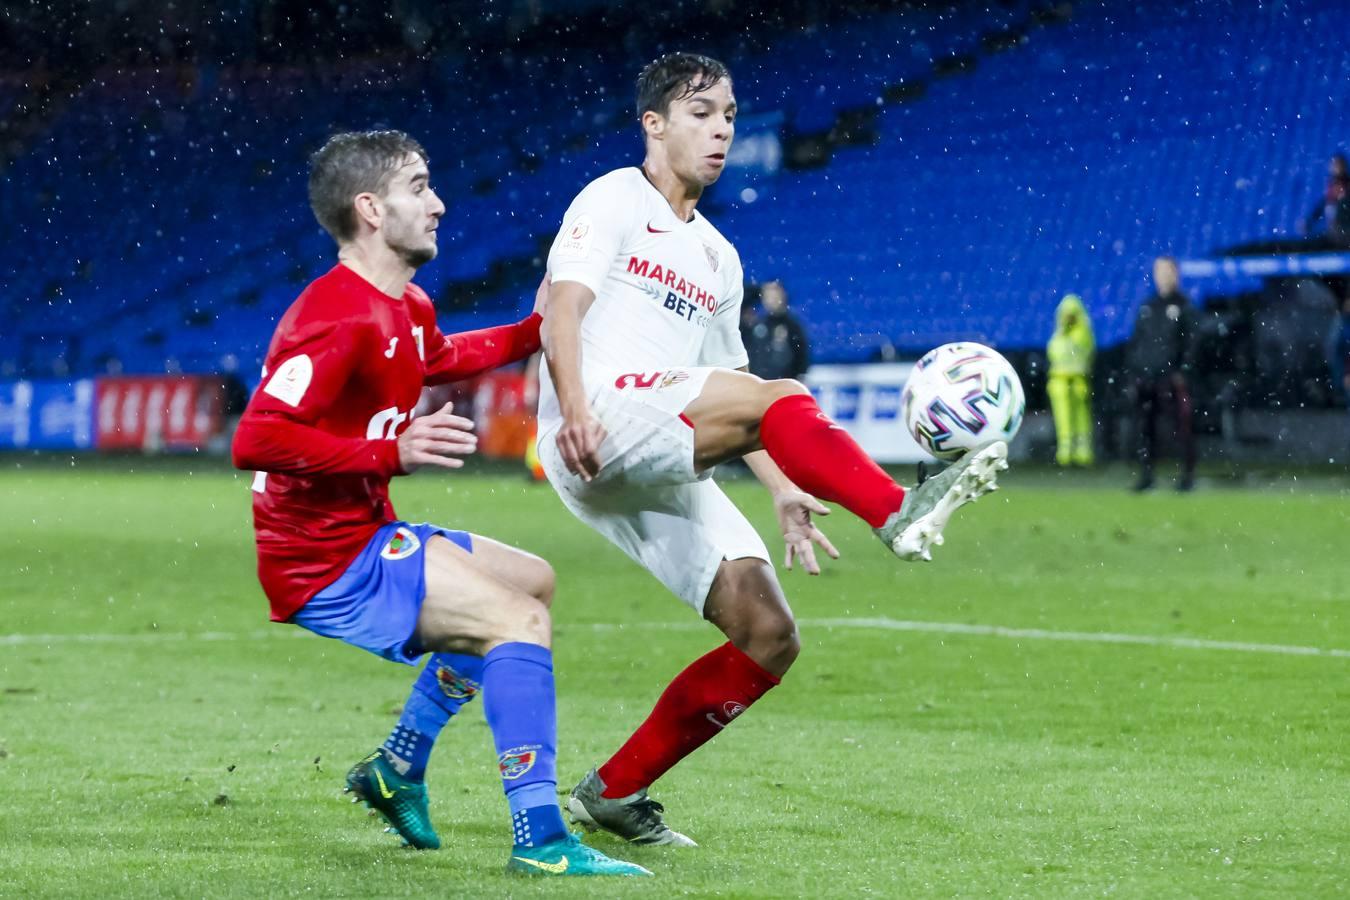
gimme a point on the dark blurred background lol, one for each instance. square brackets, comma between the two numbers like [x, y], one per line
[912, 173]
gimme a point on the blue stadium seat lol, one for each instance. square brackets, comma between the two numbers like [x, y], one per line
[1061, 164]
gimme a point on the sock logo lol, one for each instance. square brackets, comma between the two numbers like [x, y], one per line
[517, 761]
[731, 709]
[454, 685]
[829, 423]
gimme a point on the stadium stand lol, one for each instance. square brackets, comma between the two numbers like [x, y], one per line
[977, 163]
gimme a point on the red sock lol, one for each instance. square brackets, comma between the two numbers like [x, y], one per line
[823, 460]
[701, 701]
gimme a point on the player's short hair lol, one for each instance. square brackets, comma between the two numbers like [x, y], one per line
[351, 163]
[676, 76]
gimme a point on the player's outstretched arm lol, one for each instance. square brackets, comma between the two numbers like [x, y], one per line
[459, 356]
[270, 441]
[581, 432]
[279, 430]
[794, 509]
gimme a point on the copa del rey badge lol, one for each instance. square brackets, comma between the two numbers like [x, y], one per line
[403, 543]
[576, 237]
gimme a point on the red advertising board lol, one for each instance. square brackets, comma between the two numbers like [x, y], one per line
[503, 415]
[164, 412]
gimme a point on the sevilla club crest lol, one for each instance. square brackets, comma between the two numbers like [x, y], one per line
[713, 259]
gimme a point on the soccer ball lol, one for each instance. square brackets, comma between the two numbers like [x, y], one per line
[961, 397]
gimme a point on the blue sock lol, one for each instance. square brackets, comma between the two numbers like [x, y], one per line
[448, 682]
[519, 705]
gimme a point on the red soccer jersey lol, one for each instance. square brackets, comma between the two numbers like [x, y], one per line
[345, 368]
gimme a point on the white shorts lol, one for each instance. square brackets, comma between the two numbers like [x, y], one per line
[647, 499]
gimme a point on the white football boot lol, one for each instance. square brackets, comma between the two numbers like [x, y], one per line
[635, 818]
[913, 530]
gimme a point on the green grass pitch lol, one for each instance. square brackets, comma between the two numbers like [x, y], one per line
[159, 738]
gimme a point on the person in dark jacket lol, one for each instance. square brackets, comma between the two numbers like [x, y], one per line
[1159, 360]
[749, 319]
[1333, 206]
[777, 342]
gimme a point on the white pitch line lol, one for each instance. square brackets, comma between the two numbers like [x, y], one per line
[1091, 637]
[883, 624]
[149, 636]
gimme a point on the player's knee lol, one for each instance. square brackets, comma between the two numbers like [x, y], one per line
[545, 595]
[522, 619]
[542, 581]
[774, 643]
[773, 391]
[787, 642]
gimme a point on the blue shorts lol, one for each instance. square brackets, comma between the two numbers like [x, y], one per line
[374, 605]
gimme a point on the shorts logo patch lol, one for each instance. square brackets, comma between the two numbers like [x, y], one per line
[575, 240]
[674, 377]
[517, 761]
[640, 380]
[403, 544]
[731, 709]
[454, 685]
[291, 380]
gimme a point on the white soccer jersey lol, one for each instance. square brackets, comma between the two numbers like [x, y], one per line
[667, 293]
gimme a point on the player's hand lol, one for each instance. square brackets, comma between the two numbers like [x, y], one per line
[579, 443]
[800, 534]
[541, 295]
[437, 439]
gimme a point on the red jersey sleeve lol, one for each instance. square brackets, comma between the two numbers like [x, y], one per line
[469, 353]
[278, 431]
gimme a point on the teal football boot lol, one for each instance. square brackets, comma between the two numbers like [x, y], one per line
[403, 803]
[568, 856]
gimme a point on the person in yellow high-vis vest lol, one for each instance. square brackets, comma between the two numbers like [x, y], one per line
[1071, 351]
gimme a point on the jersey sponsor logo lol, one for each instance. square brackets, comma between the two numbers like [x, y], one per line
[691, 293]
[454, 685]
[657, 230]
[291, 380]
[401, 545]
[576, 238]
[393, 342]
[685, 310]
[384, 424]
[517, 761]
